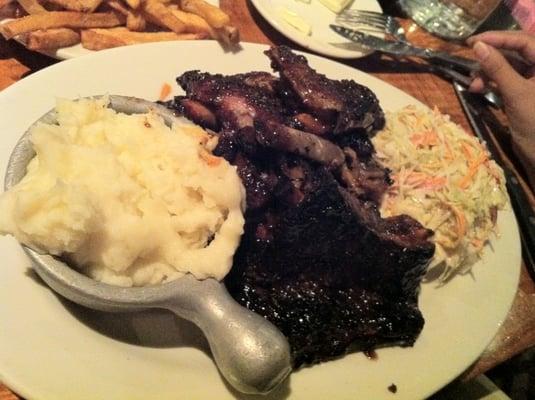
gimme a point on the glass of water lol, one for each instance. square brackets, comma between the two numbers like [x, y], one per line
[450, 19]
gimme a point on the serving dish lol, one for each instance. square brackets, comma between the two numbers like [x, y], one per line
[251, 353]
[319, 17]
[47, 344]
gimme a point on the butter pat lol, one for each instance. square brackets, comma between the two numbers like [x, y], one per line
[296, 21]
[336, 6]
[128, 200]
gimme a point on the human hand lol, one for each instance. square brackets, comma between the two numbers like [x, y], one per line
[517, 86]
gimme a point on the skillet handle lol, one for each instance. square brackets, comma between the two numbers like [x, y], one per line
[250, 352]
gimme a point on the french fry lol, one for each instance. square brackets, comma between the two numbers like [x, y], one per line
[51, 39]
[160, 15]
[60, 19]
[118, 6]
[31, 6]
[193, 22]
[99, 39]
[77, 5]
[229, 35]
[59, 24]
[136, 22]
[134, 18]
[215, 17]
[134, 4]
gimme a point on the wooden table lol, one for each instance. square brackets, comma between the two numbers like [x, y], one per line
[518, 331]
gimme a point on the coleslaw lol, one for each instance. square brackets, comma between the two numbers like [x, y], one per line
[445, 179]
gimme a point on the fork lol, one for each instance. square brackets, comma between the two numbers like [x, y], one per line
[372, 21]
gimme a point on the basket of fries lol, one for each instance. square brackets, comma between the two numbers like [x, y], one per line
[48, 25]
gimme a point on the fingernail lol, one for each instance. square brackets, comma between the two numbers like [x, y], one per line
[481, 50]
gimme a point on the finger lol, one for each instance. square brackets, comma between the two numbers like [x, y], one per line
[495, 66]
[520, 42]
[477, 85]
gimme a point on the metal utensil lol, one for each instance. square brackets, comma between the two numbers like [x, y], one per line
[525, 215]
[249, 351]
[401, 49]
[386, 23]
[372, 21]
[493, 98]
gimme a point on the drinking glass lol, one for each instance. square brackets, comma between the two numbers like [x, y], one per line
[450, 19]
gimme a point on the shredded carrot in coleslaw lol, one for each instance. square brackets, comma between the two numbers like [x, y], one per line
[165, 91]
[473, 167]
[444, 178]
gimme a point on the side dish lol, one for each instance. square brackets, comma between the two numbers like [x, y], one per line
[125, 198]
[445, 179]
[100, 24]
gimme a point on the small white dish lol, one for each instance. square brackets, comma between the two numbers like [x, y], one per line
[319, 17]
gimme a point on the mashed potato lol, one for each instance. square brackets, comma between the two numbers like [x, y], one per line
[127, 199]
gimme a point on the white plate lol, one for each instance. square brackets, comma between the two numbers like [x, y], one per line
[51, 349]
[319, 17]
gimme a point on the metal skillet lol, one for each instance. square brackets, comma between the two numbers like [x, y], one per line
[250, 352]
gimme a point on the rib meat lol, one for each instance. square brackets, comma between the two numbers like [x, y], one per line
[334, 275]
[316, 257]
[237, 99]
[345, 105]
[284, 138]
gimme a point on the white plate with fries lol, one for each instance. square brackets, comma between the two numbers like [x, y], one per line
[72, 28]
[53, 349]
[288, 17]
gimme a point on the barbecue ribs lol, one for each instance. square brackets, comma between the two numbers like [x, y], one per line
[316, 258]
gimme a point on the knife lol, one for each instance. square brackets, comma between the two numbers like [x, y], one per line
[525, 215]
[401, 49]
